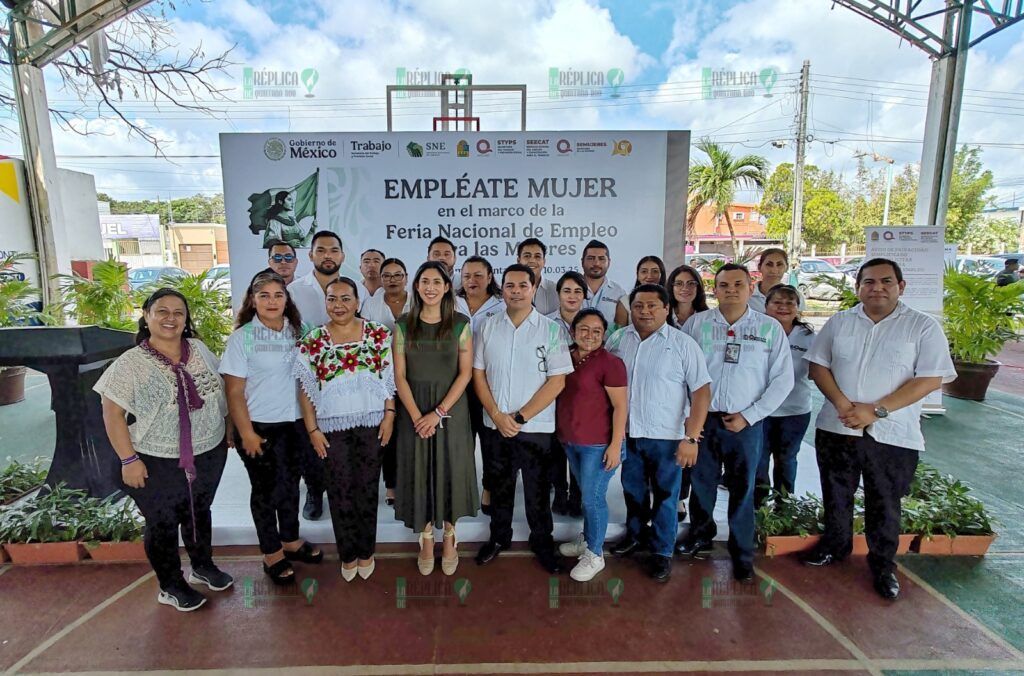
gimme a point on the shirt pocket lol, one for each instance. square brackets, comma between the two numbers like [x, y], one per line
[845, 348]
[900, 358]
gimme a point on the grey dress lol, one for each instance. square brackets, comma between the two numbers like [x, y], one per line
[436, 479]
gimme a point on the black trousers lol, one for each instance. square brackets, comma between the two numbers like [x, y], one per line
[561, 476]
[353, 479]
[164, 503]
[476, 423]
[274, 476]
[389, 463]
[311, 466]
[888, 472]
[529, 453]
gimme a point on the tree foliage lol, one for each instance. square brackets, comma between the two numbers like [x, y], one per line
[195, 209]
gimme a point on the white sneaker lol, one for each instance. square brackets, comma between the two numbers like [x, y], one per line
[590, 565]
[573, 548]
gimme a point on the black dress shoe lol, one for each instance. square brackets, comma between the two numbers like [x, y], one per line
[560, 505]
[313, 510]
[488, 553]
[742, 572]
[695, 547]
[887, 586]
[549, 561]
[818, 557]
[627, 546]
[660, 568]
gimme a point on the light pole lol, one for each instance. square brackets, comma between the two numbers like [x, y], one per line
[888, 179]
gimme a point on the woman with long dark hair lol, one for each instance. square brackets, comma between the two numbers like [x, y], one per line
[348, 388]
[784, 429]
[649, 270]
[268, 426]
[173, 451]
[686, 291]
[773, 265]
[481, 293]
[436, 466]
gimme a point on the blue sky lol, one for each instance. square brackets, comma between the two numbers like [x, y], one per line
[867, 90]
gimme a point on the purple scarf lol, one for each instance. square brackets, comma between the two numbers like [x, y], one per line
[188, 400]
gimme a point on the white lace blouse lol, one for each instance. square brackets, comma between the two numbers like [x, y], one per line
[144, 387]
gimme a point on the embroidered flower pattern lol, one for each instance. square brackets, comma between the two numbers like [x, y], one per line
[371, 354]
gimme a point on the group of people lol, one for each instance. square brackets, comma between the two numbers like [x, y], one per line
[339, 381]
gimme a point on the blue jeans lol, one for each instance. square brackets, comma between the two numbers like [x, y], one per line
[782, 437]
[739, 453]
[652, 462]
[587, 465]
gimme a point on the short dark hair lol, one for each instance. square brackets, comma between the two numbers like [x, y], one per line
[516, 267]
[596, 244]
[440, 240]
[279, 242]
[573, 276]
[650, 288]
[492, 289]
[347, 281]
[326, 233]
[589, 312]
[393, 261]
[374, 251]
[732, 266]
[530, 241]
[880, 261]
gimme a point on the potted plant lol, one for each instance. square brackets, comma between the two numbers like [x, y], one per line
[16, 296]
[210, 307]
[786, 523]
[45, 529]
[105, 300]
[113, 530]
[19, 478]
[952, 522]
[979, 317]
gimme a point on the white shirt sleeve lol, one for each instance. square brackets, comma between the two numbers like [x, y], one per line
[558, 360]
[780, 379]
[695, 366]
[234, 361]
[933, 354]
[821, 351]
[478, 348]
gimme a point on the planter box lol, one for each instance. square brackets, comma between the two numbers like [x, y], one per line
[777, 545]
[3, 555]
[112, 552]
[962, 545]
[40, 553]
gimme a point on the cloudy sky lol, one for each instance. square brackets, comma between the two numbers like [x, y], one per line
[868, 90]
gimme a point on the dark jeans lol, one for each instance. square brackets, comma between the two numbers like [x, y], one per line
[353, 476]
[530, 453]
[274, 476]
[562, 478]
[888, 472]
[164, 503]
[739, 453]
[652, 463]
[782, 437]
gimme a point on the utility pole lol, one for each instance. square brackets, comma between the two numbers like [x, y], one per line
[795, 241]
[888, 179]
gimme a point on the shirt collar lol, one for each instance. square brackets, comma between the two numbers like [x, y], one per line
[720, 318]
[901, 308]
[532, 318]
[663, 331]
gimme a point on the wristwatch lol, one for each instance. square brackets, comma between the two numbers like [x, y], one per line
[881, 411]
[518, 417]
[690, 440]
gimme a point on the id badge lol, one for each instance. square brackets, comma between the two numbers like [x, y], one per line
[732, 353]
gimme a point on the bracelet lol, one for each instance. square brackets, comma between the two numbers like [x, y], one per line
[310, 432]
[130, 459]
[441, 414]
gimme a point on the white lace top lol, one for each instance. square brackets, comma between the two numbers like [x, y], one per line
[142, 386]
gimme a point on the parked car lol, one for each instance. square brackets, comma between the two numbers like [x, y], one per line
[1019, 257]
[140, 277]
[850, 267]
[810, 270]
[980, 266]
[218, 277]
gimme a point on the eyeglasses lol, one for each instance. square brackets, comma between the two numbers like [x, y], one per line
[283, 258]
[388, 276]
[542, 355]
[685, 284]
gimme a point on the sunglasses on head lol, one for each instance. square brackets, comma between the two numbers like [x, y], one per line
[283, 258]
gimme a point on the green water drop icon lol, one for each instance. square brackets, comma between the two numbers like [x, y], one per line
[768, 78]
[309, 79]
[462, 588]
[309, 587]
[615, 587]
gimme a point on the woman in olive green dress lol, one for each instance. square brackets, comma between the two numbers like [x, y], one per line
[436, 480]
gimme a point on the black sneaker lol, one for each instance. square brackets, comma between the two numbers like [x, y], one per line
[212, 576]
[181, 597]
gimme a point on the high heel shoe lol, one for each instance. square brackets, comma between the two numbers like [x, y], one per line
[448, 566]
[348, 574]
[426, 567]
[366, 571]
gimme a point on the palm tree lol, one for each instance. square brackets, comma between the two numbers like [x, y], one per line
[713, 183]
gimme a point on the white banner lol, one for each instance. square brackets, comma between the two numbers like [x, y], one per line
[484, 191]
